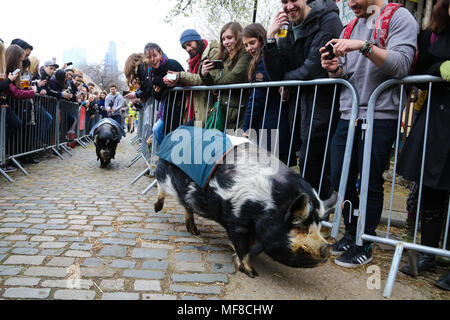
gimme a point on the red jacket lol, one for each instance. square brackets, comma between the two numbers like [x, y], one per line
[14, 92]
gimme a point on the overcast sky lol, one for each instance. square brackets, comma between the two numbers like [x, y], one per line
[52, 26]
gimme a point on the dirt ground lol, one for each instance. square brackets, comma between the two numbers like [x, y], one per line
[330, 281]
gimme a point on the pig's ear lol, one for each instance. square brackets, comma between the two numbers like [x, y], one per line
[96, 139]
[298, 210]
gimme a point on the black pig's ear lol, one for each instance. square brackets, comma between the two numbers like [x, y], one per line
[96, 139]
[298, 210]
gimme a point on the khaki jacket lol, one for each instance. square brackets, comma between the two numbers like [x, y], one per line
[189, 79]
[236, 73]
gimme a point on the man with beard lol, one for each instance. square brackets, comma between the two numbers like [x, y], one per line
[366, 58]
[296, 56]
[198, 49]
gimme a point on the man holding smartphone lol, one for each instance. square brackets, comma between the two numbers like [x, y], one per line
[297, 57]
[199, 50]
[368, 63]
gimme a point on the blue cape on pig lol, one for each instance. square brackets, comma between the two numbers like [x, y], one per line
[120, 130]
[197, 151]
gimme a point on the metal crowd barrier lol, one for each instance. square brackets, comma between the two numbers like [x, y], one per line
[387, 240]
[295, 86]
[43, 126]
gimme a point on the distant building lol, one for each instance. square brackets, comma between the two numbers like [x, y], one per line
[75, 55]
[111, 64]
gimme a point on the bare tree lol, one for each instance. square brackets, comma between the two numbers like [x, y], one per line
[219, 12]
[103, 75]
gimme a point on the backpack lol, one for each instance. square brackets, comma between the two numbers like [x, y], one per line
[381, 28]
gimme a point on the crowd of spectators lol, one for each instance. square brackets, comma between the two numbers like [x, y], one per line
[47, 79]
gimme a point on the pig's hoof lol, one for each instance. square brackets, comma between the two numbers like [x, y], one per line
[159, 205]
[249, 272]
[192, 228]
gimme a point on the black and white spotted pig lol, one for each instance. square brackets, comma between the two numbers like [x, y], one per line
[263, 205]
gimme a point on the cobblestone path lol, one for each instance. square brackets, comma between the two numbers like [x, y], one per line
[71, 230]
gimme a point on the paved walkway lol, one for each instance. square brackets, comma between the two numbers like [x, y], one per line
[71, 230]
[71, 220]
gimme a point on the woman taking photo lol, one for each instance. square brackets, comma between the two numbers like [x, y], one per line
[236, 61]
[258, 115]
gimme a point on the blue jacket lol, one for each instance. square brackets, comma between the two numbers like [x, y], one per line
[272, 111]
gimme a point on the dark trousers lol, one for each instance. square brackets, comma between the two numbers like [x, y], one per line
[383, 139]
[13, 123]
[118, 119]
[313, 171]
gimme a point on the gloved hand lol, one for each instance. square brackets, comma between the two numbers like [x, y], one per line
[445, 70]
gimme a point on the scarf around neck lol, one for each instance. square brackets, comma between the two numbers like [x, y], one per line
[194, 63]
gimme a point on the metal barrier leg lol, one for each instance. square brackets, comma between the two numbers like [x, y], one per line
[63, 147]
[412, 261]
[17, 163]
[149, 187]
[135, 160]
[393, 272]
[81, 143]
[140, 176]
[3, 173]
[57, 153]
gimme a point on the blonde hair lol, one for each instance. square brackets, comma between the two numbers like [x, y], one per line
[34, 65]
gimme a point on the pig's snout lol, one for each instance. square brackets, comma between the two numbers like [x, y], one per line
[325, 251]
[105, 154]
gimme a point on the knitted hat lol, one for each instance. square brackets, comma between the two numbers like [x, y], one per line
[189, 35]
[445, 70]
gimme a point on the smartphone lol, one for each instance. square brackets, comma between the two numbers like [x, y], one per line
[329, 49]
[218, 64]
[171, 76]
[69, 63]
[15, 72]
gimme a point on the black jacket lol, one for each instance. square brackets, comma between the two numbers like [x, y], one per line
[437, 160]
[300, 60]
[147, 80]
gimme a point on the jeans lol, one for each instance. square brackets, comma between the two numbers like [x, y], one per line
[13, 123]
[118, 119]
[43, 121]
[158, 131]
[384, 133]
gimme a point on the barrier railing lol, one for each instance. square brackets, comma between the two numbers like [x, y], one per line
[178, 95]
[43, 123]
[399, 245]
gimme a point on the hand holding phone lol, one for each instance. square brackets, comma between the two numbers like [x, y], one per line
[171, 76]
[329, 49]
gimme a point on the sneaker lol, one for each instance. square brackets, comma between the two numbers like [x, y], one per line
[342, 245]
[8, 168]
[355, 256]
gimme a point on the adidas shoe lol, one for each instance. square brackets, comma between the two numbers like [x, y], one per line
[355, 256]
[342, 245]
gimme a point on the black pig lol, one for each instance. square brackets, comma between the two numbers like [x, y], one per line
[107, 134]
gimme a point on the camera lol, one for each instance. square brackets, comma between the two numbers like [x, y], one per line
[33, 83]
[329, 49]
